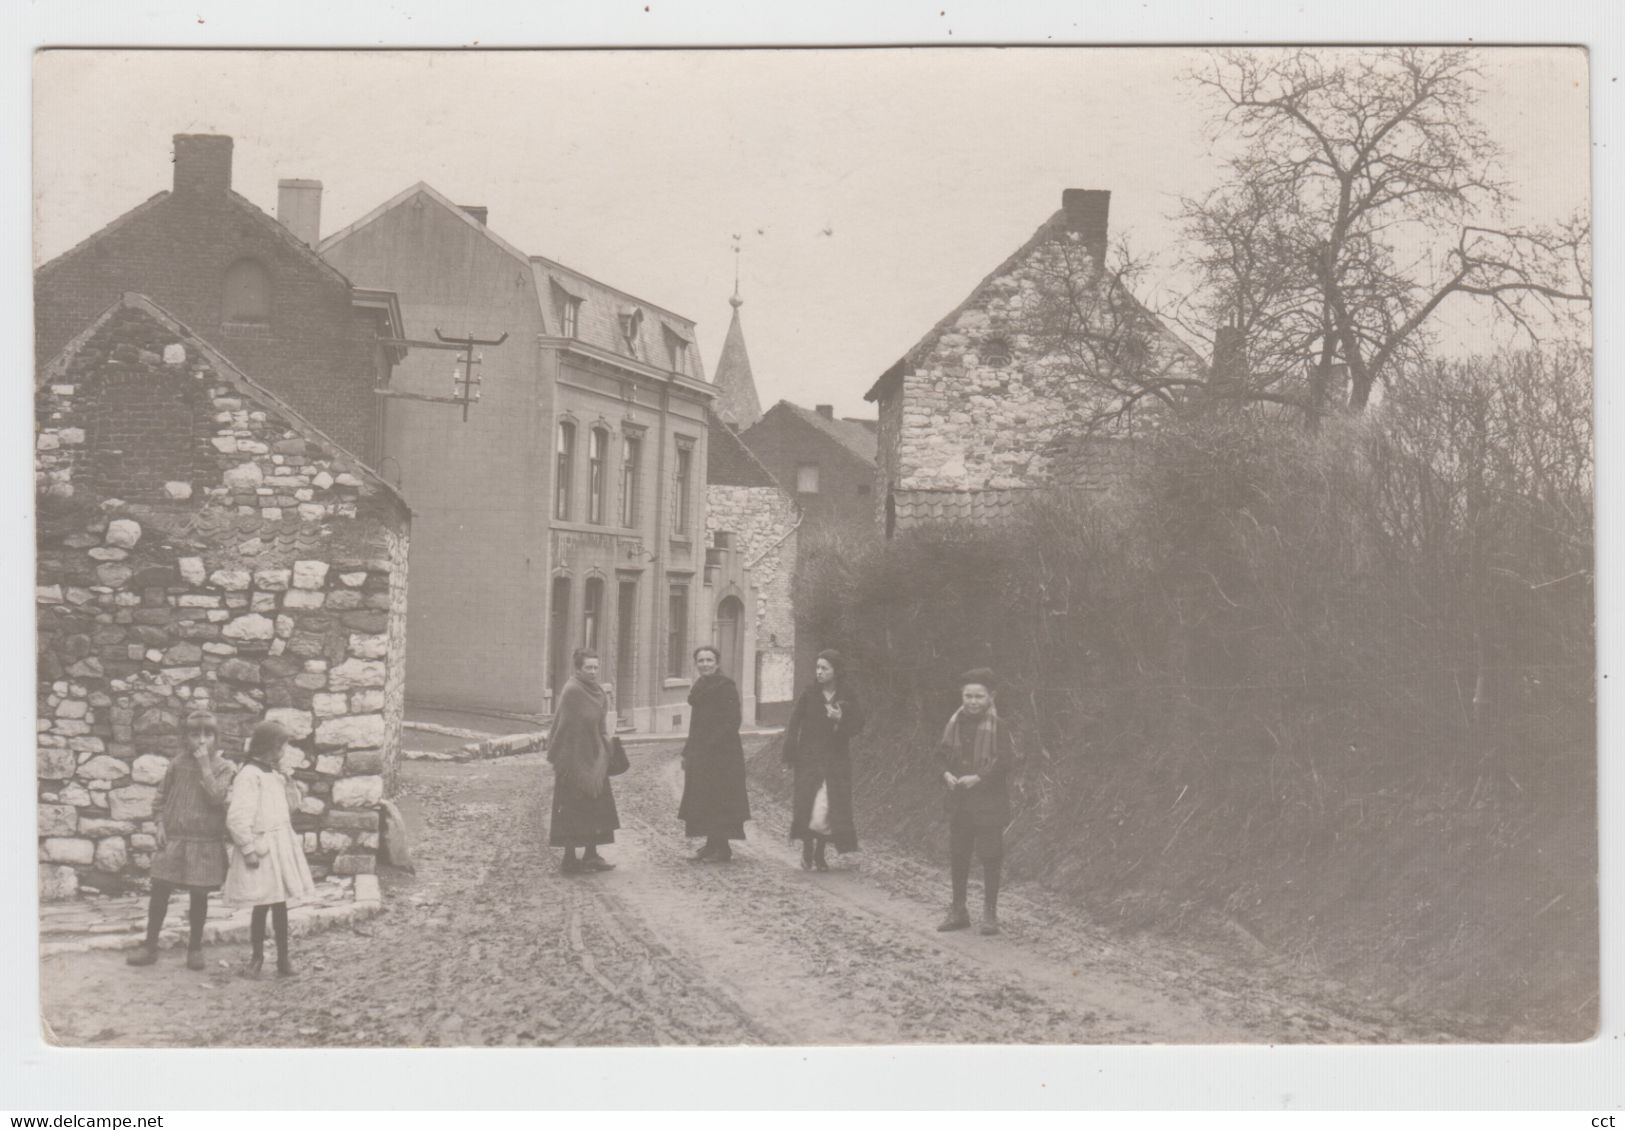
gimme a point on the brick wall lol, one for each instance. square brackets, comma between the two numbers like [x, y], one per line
[266, 580]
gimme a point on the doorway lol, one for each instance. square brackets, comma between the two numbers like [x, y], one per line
[626, 636]
[731, 636]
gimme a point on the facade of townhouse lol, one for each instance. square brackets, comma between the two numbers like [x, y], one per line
[200, 543]
[569, 510]
[985, 409]
[241, 280]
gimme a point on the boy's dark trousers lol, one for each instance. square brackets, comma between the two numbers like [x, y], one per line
[968, 838]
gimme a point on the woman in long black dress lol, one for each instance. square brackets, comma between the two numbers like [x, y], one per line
[816, 745]
[715, 804]
[584, 814]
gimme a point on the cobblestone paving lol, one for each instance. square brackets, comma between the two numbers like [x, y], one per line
[489, 945]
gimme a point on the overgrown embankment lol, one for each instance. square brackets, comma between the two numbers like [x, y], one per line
[1324, 697]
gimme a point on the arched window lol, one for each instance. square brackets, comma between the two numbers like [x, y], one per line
[246, 293]
[564, 462]
[597, 469]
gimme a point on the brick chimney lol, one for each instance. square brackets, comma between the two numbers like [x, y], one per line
[299, 208]
[202, 164]
[478, 211]
[827, 411]
[1086, 211]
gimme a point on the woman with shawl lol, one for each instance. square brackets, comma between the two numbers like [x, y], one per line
[714, 801]
[578, 749]
[973, 761]
[817, 747]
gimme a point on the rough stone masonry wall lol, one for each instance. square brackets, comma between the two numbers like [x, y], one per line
[982, 407]
[266, 584]
[759, 518]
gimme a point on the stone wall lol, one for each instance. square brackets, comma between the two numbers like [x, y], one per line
[981, 404]
[267, 582]
[760, 518]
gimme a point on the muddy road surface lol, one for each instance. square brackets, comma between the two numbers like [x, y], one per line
[488, 945]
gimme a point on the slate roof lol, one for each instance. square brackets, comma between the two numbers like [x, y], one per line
[1094, 462]
[957, 507]
[599, 326]
[737, 401]
[1079, 464]
[850, 434]
[244, 205]
[728, 462]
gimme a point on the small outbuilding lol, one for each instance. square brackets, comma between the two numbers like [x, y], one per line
[200, 541]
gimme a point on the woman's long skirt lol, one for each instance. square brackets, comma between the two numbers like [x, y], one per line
[580, 820]
[810, 775]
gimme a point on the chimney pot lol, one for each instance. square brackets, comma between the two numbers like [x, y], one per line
[202, 164]
[478, 211]
[827, 411]
[1087, 210]
[299, 209]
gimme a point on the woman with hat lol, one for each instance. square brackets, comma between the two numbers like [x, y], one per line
[817, 746]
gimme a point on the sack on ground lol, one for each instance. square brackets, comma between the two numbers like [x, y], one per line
[819, 823]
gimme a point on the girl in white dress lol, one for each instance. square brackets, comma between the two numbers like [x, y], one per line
[268, 866]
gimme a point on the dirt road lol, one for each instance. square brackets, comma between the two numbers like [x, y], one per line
[489, 945]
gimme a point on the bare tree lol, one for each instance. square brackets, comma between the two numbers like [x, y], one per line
[1361, 196]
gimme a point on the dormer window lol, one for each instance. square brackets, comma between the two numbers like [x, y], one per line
[246, 293]
[677, 345]
[631, 328]
[570, 321]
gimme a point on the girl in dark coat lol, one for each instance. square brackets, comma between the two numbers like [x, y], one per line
[190, 811]
[973, 762]
[584, 813]
[714, 802]
[816, 745]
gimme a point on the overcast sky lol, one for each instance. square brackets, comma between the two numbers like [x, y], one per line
[872, 188]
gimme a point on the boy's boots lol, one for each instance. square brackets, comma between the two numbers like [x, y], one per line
[990, 898]
[958, 918]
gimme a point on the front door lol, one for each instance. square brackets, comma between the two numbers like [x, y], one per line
[626, 636]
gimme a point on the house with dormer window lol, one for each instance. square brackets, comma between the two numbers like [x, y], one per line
[569, 510]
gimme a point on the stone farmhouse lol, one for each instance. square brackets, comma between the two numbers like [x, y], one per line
[200, 541]
[986, 407]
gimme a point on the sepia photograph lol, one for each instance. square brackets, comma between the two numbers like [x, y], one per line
[814, 547]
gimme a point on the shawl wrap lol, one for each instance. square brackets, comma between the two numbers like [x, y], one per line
[576, 746]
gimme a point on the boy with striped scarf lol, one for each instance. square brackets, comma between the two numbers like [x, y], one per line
[974, 759]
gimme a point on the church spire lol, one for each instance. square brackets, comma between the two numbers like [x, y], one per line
[737, 403]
